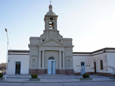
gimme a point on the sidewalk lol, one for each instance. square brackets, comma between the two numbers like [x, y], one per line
[53, 78]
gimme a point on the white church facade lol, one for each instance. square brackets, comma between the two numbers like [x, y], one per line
[52, 54]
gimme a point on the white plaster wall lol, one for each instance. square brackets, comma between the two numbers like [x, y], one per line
[67, 41]
[77, 59]
[68, 55]
[97, 58]
[111, 62]
[24, 59]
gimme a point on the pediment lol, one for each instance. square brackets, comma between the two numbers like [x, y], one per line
[52, 43]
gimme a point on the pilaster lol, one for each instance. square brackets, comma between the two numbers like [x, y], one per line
[43, 59]
[60, 59]
[39, 58]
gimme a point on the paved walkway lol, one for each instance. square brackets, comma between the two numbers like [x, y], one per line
[53, 78]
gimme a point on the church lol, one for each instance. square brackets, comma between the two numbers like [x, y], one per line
[52, 54]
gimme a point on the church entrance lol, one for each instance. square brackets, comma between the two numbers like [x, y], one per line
[51, 65]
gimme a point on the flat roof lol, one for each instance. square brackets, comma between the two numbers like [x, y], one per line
[103, 49]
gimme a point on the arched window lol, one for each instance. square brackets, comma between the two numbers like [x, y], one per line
[33, 63]
[51, 58]
[68, 63]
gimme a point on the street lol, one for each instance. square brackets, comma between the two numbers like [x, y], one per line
[93, 83]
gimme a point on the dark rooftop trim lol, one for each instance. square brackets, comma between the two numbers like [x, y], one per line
[81, 52]
[27, 51]
[104, 50]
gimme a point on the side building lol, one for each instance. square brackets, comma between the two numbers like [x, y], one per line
[18, 62]
[100, 62]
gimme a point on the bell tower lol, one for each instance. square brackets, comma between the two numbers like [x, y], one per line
[50, 20]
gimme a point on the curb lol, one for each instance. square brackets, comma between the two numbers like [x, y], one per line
[54, 81]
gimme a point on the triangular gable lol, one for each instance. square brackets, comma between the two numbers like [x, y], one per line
[51, 43]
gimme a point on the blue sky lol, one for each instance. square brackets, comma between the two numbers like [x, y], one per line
[91, 23]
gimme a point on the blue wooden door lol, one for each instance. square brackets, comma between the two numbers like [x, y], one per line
[53, 62]
[82, 67]
[51, 66]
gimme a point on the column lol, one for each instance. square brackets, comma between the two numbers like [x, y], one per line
[43, 59]
[63, 60]
[55, 23]
[59, 59]
[39, 58]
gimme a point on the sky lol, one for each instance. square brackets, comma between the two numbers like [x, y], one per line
[90, 23]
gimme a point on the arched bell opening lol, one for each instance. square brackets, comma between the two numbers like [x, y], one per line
[51, 24]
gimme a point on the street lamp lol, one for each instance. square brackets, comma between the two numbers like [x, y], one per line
[7, 52]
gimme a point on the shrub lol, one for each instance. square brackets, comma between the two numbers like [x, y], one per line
[85, 75]
[34, 76]
[1, 75]
[114, 75]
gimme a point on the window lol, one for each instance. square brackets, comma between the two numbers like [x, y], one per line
[33, 63]
[51, 18]
[68, 63]
[51, 24]
[101, 64]
[59, 40]
[43, 40]
[51, 58]
[82, 63]
[41, 59]
[62, 59]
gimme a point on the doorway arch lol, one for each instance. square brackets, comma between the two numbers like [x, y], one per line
[51, 65]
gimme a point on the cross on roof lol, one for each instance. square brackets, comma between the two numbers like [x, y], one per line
[50, 1]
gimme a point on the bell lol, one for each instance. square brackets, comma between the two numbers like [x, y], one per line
[50, 23]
